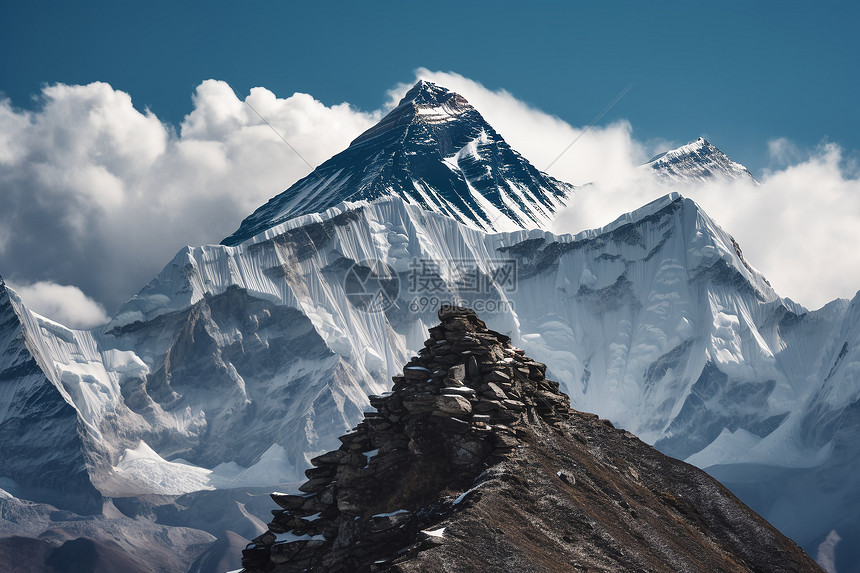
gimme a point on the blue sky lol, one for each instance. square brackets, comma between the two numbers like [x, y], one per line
[740, 73]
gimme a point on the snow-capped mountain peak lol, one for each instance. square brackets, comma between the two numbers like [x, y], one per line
[699, 160]
[424, 103]
[433, 150]
[429, 100]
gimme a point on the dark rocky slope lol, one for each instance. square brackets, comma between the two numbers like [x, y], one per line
[81, 555]
[476, 463]
[434, 150]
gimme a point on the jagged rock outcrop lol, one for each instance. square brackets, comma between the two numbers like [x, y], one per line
[475, 461]
[450, 415]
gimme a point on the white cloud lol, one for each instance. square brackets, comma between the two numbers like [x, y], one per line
[783, 152]
[101, 195]
[65, 304]
[800, 227]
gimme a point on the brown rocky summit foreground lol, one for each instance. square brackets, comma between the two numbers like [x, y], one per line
[475, 462]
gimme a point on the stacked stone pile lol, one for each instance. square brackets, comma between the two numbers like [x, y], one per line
[455, 410]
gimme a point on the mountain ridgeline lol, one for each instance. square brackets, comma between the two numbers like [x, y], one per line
[236, 367]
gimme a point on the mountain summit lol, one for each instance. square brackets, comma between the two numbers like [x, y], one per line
[697, 161]
[433, 150]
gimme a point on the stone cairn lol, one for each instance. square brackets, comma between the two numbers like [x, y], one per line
[456, 410]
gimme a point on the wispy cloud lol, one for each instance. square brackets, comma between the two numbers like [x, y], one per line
[63, 303]
[800, 227]
[826, 556]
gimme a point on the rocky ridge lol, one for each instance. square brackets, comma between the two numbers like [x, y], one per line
[454, 412]
[476, 461]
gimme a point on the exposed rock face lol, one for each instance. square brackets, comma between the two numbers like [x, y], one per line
[216, 358]
[475, 462]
